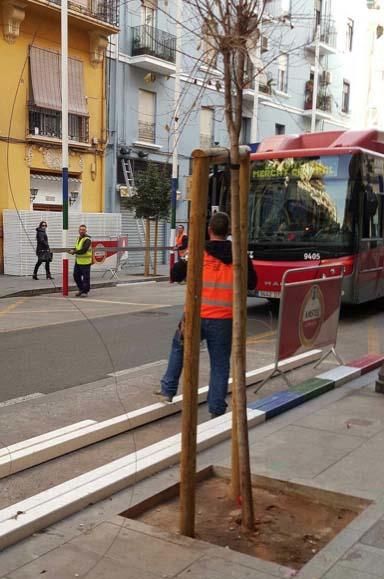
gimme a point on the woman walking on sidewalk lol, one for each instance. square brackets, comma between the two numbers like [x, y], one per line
[43, 251]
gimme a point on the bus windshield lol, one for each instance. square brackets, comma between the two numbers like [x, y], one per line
[302, 202]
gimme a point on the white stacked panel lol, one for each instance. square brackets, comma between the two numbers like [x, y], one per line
[20, 236]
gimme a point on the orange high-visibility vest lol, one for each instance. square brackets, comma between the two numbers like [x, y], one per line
[217, 292]
[179, 241]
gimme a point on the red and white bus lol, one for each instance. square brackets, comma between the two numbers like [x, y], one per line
[318, 199]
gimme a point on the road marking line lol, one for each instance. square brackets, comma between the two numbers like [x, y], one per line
[46, 311]
[11, 307]
[260, 337]
[136, 368]
[134, 283]
[118, 303]
[21, 399]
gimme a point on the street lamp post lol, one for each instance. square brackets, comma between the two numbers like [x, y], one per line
[176, 134]
[64, 135]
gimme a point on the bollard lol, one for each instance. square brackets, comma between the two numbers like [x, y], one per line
[379, 387]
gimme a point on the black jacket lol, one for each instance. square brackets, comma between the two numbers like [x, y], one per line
[221, 250]
[42, 241]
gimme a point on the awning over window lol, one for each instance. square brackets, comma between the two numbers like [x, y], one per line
[45, 67]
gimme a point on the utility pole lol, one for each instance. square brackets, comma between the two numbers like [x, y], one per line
[64, 136]
[315, 80]
[176, 134]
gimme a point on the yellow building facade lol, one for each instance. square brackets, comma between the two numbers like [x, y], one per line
[30, 104]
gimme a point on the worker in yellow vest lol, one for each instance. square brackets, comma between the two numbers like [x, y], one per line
[82, 269]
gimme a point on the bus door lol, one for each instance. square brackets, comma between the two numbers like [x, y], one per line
[370, 266]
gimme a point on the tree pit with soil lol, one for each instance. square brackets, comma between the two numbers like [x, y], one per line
[292, 522]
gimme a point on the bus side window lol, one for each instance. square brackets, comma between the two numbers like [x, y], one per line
[372, 226]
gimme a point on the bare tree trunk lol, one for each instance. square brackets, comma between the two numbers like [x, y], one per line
[239, 347]
[155, 247]
[233, 117]
[147, 247]
[197, 221]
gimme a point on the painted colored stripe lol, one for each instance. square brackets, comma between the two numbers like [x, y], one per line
[287, 399]
[313, 387]
[341, 374]
[277, 403]
[367, 363]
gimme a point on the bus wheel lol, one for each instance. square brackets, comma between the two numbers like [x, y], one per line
[274, 302]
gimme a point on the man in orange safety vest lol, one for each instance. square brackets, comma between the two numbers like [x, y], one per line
[216, 318]
[181, 242]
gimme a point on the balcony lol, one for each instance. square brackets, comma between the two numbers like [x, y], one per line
[153, 49]
[104, 10]
[96, 18]
[323, 104]
[328, 37]
[265, 87]
[45, 124]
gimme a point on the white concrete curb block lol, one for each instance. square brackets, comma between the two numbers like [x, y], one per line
[53, 444]
[22, 519]
[340, 375]
[23, 454]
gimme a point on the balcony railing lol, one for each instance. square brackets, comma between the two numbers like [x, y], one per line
[148, 40]
[105, 10]
[147, 132]
[324, 101]
[47, 123]
[328, 33]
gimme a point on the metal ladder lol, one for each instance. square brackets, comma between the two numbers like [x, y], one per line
[130, 183]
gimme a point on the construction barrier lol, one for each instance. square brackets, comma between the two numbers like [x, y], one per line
[309, 312]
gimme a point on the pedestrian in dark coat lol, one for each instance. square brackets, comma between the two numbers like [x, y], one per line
[43, 251]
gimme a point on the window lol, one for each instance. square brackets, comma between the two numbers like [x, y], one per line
[45, 96]
[346, 96]
[372, 188]
[206, 127]
[245, 134]
[282, 74]
[147, 116]
[349, 37]
[279, 129]
[148, 13]
[297, 202]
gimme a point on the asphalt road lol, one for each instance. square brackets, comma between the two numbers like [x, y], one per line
[51, 358]
[62, 354]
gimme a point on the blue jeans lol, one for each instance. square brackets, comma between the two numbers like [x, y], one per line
[218, 334]
[82, 277]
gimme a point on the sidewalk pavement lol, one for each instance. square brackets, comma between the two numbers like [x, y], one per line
[15, 286]
[334, 442]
